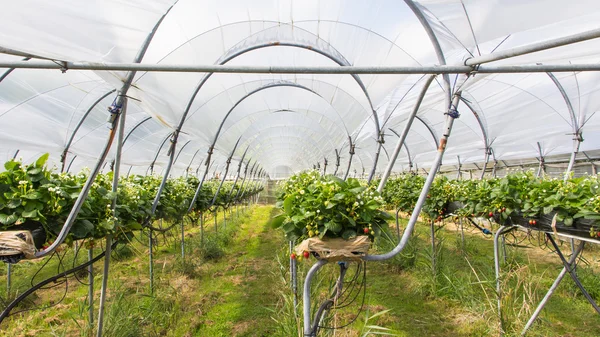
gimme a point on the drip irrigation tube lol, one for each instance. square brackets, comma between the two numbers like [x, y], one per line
[5, 313]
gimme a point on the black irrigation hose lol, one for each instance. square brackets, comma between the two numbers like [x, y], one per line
[483, 230]
[5, 313]
[364, 287]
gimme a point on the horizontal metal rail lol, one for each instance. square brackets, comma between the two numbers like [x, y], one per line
[434, 69]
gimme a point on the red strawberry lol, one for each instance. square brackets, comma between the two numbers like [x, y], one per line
[293, 256]
[306, 254]
[491, 214]
[366, 230]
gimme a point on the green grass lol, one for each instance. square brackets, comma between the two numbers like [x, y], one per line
[235, 282]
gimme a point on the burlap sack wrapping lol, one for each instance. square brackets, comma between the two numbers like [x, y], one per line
[12, 243]
[336, 249]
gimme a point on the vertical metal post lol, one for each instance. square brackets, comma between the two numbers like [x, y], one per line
[485, 163]
[462, 232]
[104, 285]
[182, 242]
[497, 270]
[352, 148]
[8, 278]
[150, 259]
[91, 289]
[433, 252]
[115, 185]
[293, 275]
[459, 173]
[201, 229]
[541, 167]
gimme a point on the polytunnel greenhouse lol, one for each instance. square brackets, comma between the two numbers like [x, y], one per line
[300, 168]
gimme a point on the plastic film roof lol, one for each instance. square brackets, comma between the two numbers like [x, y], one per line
[290, 122]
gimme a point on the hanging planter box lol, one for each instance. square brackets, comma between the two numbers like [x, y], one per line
[16, 245]
[336, 249]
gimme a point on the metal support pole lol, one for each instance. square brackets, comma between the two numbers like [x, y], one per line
[306, 297]
[550, 292]
[294, 275]
[91, 289]
[352, 148]
[245, 69]
[8, 279]
[337, 162]
[404, 133]
[433, 252]
[485, 163]
[571, 270]
[104, 285]
[201, 229]
[380, 142]
[494, 168]
[182, 242]
[462, 232]
[115, 185]
[541, 167]
[450, 116]
[151, 259]
[503, 229]
[459, 173]
[534, 47]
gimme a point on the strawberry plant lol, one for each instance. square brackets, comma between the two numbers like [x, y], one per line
[329, 207]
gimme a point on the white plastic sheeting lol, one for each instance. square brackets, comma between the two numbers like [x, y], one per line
[291, 122]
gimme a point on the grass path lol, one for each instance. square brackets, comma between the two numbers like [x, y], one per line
[240, 293]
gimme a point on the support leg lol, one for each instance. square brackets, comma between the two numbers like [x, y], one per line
[571, 270]
[91, 289]
[150, 260]
[501, 231]
[8, 279]
[182, 242]
[433, 252]
[306, 297]
[551, 291]
[104, 285]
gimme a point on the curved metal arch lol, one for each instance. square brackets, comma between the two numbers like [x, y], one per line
[135, 127]
[435, 43]
[120, 101]
[487, 143]
[264, 87]
[276, 111]
[39, 94]
[341, 62]
[431, 131]
[63, 156]
[410, 159]
[574, 124]
[563, 92]
[484, 133]
[269, 137]
[180, 150]
[347, 95]
[191, 161]
[8, 71]
[261, 141]
[151, 167]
